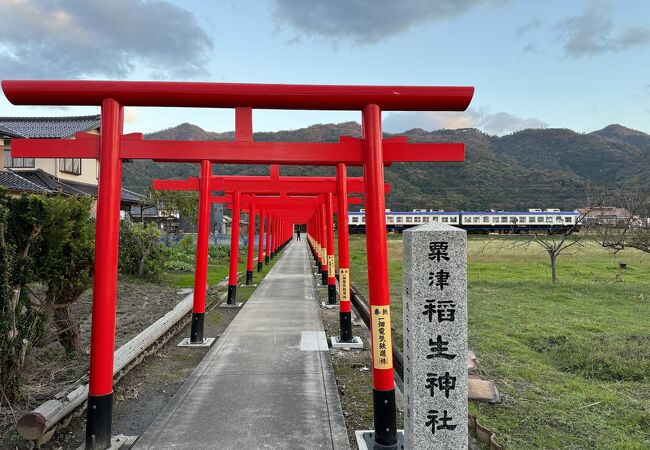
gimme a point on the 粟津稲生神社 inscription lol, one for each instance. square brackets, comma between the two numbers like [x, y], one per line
[435, 337]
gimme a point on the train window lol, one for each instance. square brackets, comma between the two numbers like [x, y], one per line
[409, 219]
[486, 219]
[355, 220]
[453, 219]
[444, 219]
[476, 219]
[513, 220]
[531, 219]
[558, 219]
[399, 219]
[426, 219]
[417, 219]
[389, 219]
[568, 219]
[522, 220]
[540, 219]
[495, 219]
[434, 219]
[504, 219]
[363, 219]
[549, 219]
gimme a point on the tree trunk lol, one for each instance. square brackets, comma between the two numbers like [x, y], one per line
[141, 265]
[67, 330]
[553, 267]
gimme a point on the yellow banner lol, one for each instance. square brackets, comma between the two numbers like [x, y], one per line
[382, 346]
[323, 255]
[344, 285]
[331, 272]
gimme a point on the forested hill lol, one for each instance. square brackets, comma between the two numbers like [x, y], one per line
[541, 168]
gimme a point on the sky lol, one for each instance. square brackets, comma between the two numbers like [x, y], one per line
[579, 64]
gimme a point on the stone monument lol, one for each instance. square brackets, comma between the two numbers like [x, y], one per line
[435, 337]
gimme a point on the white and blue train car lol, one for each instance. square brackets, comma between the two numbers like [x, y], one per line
[505, 222]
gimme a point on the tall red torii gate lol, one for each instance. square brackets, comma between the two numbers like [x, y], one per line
[371, 151]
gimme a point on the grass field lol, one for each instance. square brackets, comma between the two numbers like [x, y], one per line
[571, 360]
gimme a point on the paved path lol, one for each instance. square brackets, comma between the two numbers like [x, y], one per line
[267, 383]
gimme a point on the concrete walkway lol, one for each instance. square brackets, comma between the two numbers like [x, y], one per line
[267, 383]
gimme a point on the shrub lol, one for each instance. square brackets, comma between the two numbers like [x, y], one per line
[141, 253]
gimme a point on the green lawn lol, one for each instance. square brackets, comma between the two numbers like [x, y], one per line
[217, 271]
[572, 360]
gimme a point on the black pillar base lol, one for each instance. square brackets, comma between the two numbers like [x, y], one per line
[324, 277]
[232, 294]
[249, 277]
[196, 332]
[385, 414]
[331, 294]
[99, 416]
[260, 265]
[345, 320]
[266, 260]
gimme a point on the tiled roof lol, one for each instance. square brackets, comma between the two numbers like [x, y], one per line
[149, 211]
[50, 184]
[47, 127]
[16, 183]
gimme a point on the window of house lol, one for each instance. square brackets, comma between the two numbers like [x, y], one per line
[17, 162]
[70, 165]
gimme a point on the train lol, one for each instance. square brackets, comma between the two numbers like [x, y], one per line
[551, 221]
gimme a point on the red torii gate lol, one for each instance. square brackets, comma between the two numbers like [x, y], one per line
[286, 203]
[112, 147]
[272, 184]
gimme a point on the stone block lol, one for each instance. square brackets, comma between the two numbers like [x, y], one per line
[435, 337]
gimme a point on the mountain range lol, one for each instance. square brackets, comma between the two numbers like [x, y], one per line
[533, 168]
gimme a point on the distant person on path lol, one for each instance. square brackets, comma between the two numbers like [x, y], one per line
[298, 234]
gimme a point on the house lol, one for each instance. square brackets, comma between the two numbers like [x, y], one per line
[605, 215]
[67, 176]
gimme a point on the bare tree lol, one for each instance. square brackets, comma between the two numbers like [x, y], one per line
[630, 227]
[554, 239]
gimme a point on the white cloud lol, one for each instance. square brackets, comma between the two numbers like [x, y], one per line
[368, 21]
[594, 32]
[482, 118]
[83, 38]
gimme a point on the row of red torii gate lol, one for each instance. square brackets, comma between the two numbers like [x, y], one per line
[280, 202]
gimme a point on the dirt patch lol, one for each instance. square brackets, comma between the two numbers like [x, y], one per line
[141, 393]
[146, 389]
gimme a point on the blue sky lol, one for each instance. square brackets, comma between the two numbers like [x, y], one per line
[579, 64]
